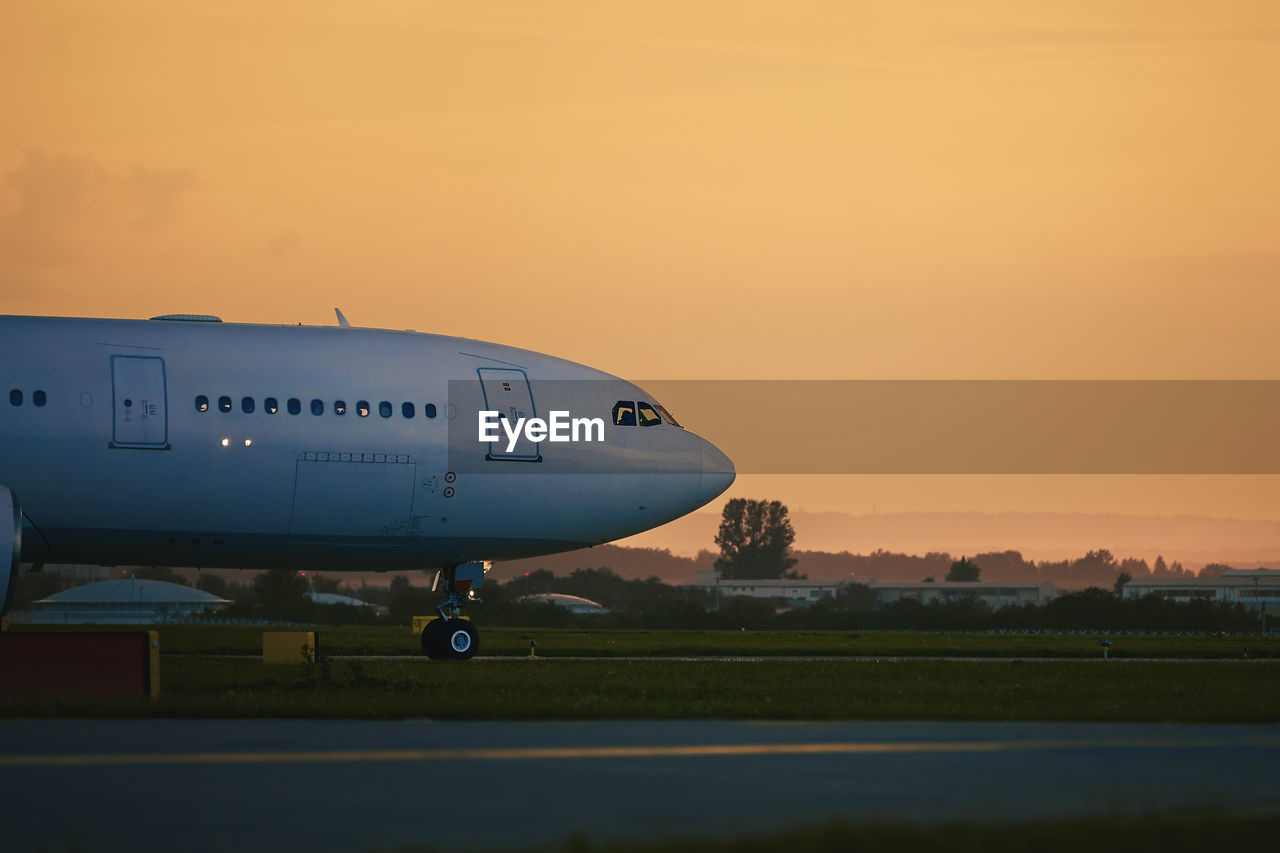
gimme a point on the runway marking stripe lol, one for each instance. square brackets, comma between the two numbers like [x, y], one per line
[544, 753]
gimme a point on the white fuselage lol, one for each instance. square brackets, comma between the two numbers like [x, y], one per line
[173, 442]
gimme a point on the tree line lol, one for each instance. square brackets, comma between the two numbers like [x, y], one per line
[652, 604]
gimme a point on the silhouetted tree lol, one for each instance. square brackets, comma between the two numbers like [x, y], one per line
[212, 584]
[1214, 570]
[320, 583]
[1121, 579]
[406, 600]
[282, 595]
[1135, 568]
[755, 540]
[1005, 566]
[33, 586]
[964, 569]
[159, 573]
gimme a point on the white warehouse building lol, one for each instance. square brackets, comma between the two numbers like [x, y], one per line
[796, 592]
[1254, 588]
[991, 593]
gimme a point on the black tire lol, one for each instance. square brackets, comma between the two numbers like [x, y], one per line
[435, 639]
[461, 640]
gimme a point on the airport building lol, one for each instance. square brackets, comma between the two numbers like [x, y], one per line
[328, 598]
[125, 602]
[572, 603]
[798, 593]
[1253, 588]
[993, 594]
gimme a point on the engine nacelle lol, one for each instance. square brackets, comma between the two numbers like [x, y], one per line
[10, 534]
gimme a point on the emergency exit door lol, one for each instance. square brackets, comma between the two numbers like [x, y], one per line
[507, 392]
[140, 416]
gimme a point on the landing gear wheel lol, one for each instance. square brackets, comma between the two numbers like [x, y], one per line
[435, 639]
[462, 640]
[452, 639]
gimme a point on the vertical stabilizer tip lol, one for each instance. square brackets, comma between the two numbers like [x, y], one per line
[342, 320]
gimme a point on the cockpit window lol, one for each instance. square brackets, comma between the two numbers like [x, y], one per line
[666, 416]
[648, 417]
[624, 413]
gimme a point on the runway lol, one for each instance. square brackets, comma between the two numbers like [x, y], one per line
[358, 785]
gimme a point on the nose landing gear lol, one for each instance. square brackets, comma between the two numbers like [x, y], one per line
[452, 636]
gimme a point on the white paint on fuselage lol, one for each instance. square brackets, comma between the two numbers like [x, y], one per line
[327, 491]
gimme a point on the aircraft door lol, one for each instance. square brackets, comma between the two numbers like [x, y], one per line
[140, 414]
[507, 392]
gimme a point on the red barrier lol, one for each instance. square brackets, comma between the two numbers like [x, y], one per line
[80, 665]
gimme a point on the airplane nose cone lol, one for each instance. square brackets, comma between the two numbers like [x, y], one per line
[718, 472]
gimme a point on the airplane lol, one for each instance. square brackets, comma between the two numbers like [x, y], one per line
[182, 440]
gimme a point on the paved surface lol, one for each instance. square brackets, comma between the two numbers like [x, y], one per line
[357, 785]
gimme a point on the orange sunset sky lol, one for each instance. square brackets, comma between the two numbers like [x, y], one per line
[680, 190]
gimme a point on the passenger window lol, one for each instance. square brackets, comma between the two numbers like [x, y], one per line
[407, 409]
[429, 410]
[224, 404]
[384, 409]
[317, 407]
[271, 405]
[648, 417]
[624, 413]
[362, 408]
[295, 405]
[15, 397]
[38, 398]
[339, 407]
[246, 405]
[666, 416]
[202, 403]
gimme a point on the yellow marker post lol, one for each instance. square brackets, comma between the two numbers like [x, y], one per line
[533, 649]
[288, 647]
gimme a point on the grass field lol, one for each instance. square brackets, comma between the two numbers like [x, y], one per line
[216, 672]
[199, 686]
